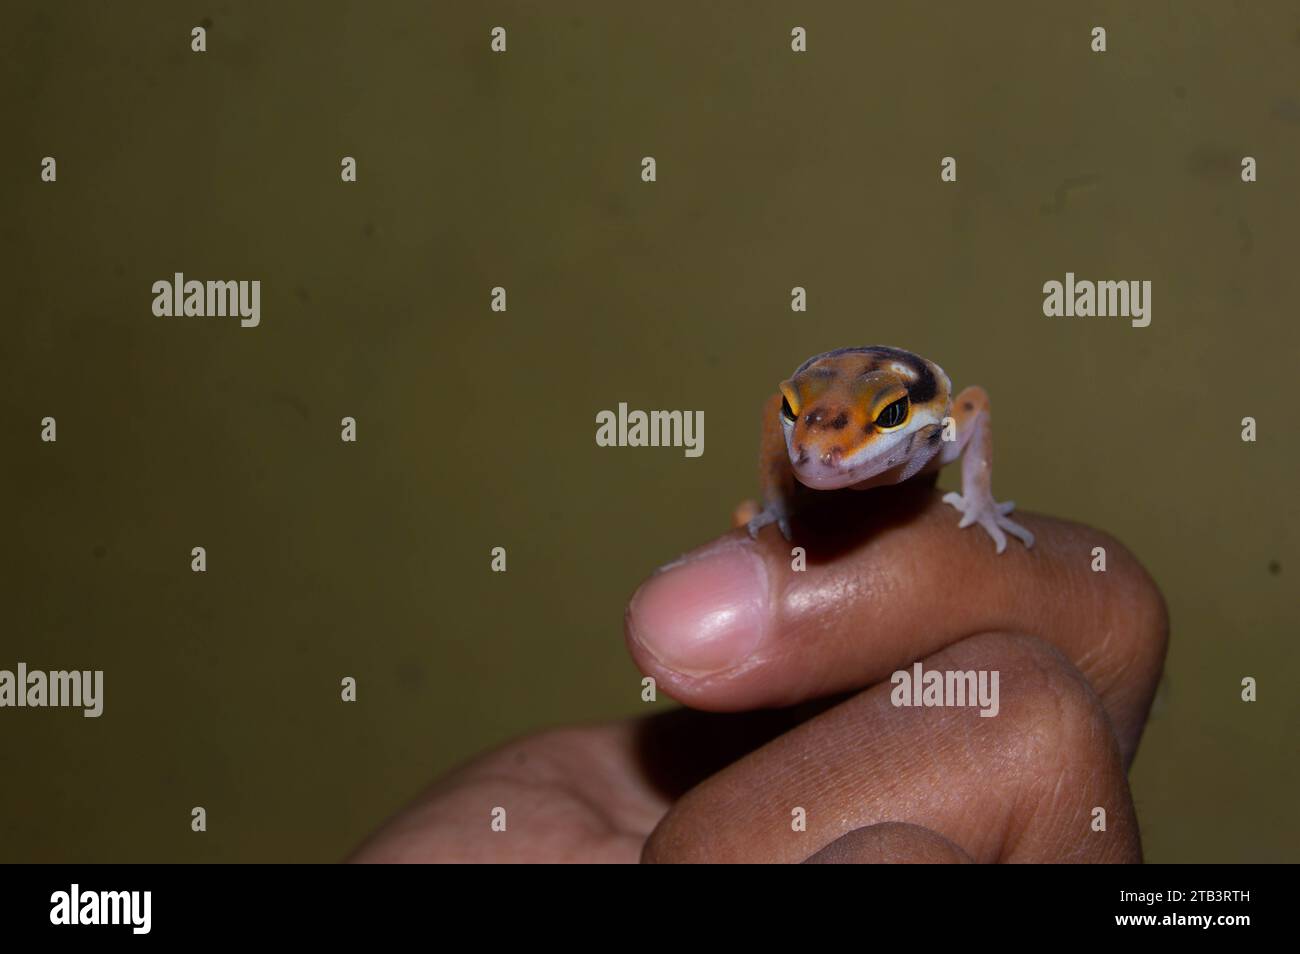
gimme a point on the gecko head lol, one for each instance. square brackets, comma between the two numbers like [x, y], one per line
[849, 416]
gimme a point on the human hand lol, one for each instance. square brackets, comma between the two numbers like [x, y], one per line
[732, 629]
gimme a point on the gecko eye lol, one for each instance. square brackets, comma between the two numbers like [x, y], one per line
[893, 415]
[787, 412]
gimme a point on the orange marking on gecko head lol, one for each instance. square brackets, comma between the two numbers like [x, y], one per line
[836, 401]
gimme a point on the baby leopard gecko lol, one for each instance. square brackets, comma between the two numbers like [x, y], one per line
[864, 417]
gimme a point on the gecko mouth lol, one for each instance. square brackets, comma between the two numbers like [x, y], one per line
[820, 479]
[836, 472]
[831, 471]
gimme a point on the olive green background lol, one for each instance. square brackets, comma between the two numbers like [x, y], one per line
[476, 429]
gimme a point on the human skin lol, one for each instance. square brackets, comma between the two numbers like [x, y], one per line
[786, 674]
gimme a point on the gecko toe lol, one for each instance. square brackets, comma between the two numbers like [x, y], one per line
[1024, 535]
[768, 516]
[999, 538]
[992, 518]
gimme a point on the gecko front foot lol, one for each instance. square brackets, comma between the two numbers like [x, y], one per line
[767, 516]
[992, 516]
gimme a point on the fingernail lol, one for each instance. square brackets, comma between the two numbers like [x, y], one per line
[705, 614]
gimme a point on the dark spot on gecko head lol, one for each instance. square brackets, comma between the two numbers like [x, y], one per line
[936, 435]
[924, 386]
[869, 352]
[967, 405]
[822, 419]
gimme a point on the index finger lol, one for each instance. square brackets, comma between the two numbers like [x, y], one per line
[889, 578]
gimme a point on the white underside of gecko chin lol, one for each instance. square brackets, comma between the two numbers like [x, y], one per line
[871, 473]
[879, 470]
